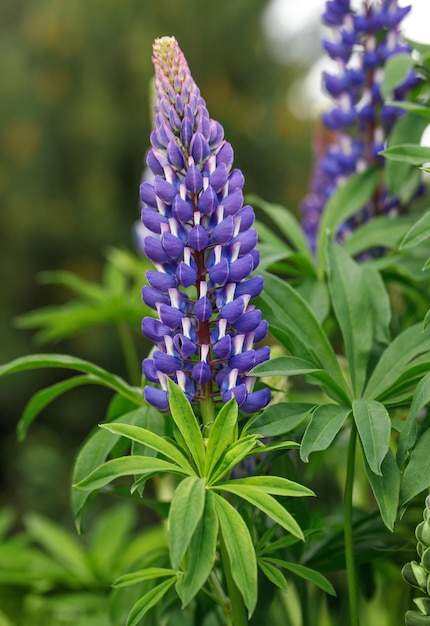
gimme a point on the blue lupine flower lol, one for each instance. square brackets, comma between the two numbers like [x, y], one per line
[199, 236]
[359, 122]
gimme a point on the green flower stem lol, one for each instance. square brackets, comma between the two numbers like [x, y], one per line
[207, 408]
[238, 611]
[349, 546]
[219, 596]
[132, 361]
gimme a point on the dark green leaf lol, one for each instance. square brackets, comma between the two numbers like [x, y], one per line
[307, 573]
[141, 575]
[275, 485]
[409, 431]
[374, 429]
[385, 488]
[379, 231]
[149, 600]
[416, 477]
[281, 418]
[325, 423]
[186, 509]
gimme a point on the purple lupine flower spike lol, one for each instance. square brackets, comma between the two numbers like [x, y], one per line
[198, 235]
[357, 126]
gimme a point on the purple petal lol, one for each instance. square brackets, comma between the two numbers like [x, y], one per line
[160, 280]
[175, 155]
[225, 155]
[152, 219]
[174, 119]
[198, 238]
[186, 132]
[261, 331]
[154, 250]
[248, 321]
[244, 361]
[182, 209]
[236, 180]
[233, 310]
[170, 316]
[233, 202]
[255, 254]
[164, 190]
[156, 397]
[147, 194]
[241, 268]
[217, 133]
[219, 273]
[247, 217]
[193, 179]
[199, 148]
[219, 177]
[208, 201]
[252, 287]
[248, 241]
[262, 354]
[186, 274]
[184, 346]
[239, 392]
[150, 371]
[166, 363]
[152, 297]
[154, 329]
[222, 348]
[256, 401]
[173, 246]
[154, 164]
[223, 232]
[201, 373]
[203, 309]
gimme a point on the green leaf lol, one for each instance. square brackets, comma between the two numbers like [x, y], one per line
[408, 153]
[273, 574]
[411, 343]
[379, 305]
[186, 509]
[344, 203]
[412, 107]
[275, 485]
[234, 454]
[419, 232]
[240, 550]
[187, 424]
[99, 375]
[221, 435]
[385, 487]
[125, 466]
[281, 418]
[110, 535]
[426, 320]
[266, 503]
[307, 573]
[201, 553]
[416, 477]
[141, 575]
[271, 446]
[409, 431]
[396, 70]
[61, 545]
[316, 294]
[351, 305]
[306, 338]
[374, 429]
[42, 398]
[149, 600]
[152, 440]
[326, 422]
[293, 366]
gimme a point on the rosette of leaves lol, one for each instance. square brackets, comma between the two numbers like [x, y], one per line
[418, 574]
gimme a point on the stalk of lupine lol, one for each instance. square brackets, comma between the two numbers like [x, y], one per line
[203, 248]
[418, 574]
[364, 38]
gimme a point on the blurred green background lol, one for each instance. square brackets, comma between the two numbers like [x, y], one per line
[74, 129]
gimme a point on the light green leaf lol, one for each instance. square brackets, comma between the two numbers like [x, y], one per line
[271, 446]
[234, 454]
[374, 429]
[379, 304]
[275, 485]
[221, 435]
[281, 418]
[379, 231]
[100, 375]
[316, 294]
[396, 70]
[307, 573]
[326, 422]
[416, 477]
[426, 319]
[186, 509]
[201, 553]
[152, 440]
[351, 305]
[147, 601]
[408, 153]
[419, 232]
[346, 201]
[187, 424]
[386, 488]
[266, 503]
[273, 574]
[141, 575]
[412, 107]
[409, 431]
[240, 550]
[125, 466]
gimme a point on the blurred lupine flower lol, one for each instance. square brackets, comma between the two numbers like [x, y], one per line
[199, 237]
[359, 123]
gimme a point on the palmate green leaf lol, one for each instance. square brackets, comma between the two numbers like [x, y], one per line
[386, 487]
[419, 232]
[221, 435]
[281, 418]
[379, 231]
[346, 201]
[259, 498]
[146, 602]
[240, 550]
[293, 366]
[408, 153]
[126, 466]
[187, 424]
[61, 545]
[305, 337]
[374, 429]
[396, 70]
[152, 440]
[326, 422]
[401, 352]
[95, 450]
[273, 574]
[409, 431]
[416, 477]
[141, 575]
[305, 572]
[351, 303]
[100, 375]
[274, 485]
[202, 550]
[186, 509]
[42, 398]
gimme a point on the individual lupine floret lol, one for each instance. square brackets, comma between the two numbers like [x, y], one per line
[201, 241]
[365, 35]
